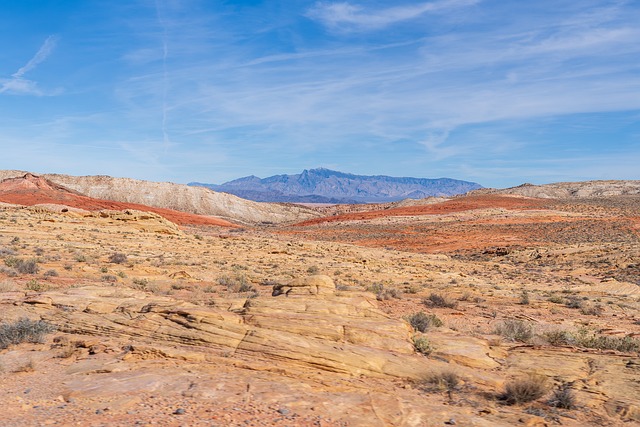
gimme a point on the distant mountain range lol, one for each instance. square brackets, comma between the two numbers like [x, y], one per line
[327, 186]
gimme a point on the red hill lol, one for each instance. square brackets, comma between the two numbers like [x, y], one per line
[31, 190]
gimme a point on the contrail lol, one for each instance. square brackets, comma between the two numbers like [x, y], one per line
[165, 52]
[42, 54]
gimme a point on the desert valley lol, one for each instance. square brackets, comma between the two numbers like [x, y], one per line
[128, 302]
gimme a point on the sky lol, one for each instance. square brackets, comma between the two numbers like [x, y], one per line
[491, 91]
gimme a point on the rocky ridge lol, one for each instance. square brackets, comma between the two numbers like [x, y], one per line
[575, 190]
[195, 200]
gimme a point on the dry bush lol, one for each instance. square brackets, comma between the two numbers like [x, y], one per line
[515, 330]
[445, 380]
[383, 293]
[437, 300]
[563, 397]
[592, 310]
[51, 273]
[422, 321]
[524, 390]
[590, 339]
[237, 283]
[117, 258]
[29, 266]
[24, 330]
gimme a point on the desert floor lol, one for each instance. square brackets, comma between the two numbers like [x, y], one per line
[158, 324]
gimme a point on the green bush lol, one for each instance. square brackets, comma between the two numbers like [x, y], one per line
[422, 345]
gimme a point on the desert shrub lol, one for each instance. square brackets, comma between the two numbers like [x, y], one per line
[247, 287]
[590, 339]
[342, 287]
[10, 272]
[376, 288]
[140, 284]
[437, 300]
[34, 285]
[592, 310]
[117, 258]
[387, 294]
[446, 380]
[574, 302]
[313, 269]
[524, 390]
[559, 337]
[422, 345]
[524, 297]
[4, 252]
[515, 330]
[237, 283]
[110, 278]
[29, 266]
[422, 321]
[51, 273]
[24, 330]
[563, 397]
[556, 299]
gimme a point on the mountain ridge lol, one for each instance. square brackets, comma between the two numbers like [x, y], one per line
[322, 185]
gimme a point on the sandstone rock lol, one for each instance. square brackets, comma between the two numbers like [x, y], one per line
[311, 285]
[466, 350]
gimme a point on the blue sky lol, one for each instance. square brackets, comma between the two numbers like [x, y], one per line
[497, 92]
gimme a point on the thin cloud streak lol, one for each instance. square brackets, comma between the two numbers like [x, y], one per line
[346, 15]
[18, 84]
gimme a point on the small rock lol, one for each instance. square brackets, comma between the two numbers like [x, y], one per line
[179, 411]
[283, 411]
[451, 422]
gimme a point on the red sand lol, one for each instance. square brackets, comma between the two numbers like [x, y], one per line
[456, 205]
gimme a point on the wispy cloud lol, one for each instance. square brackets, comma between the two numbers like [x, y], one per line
[17, 84]
[349, 16]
